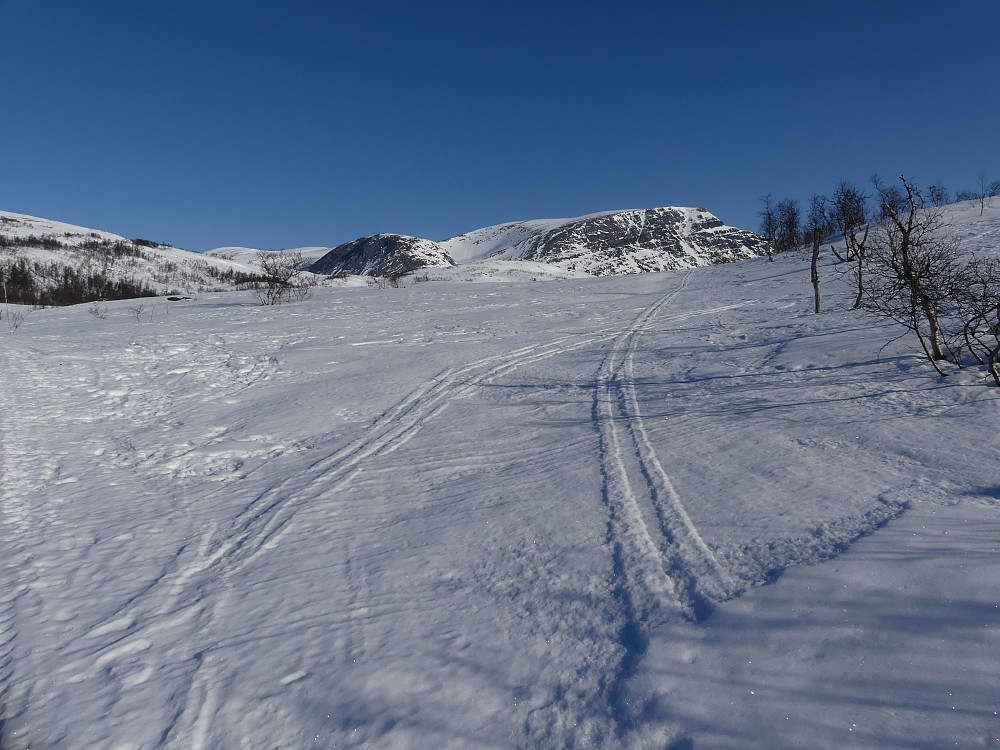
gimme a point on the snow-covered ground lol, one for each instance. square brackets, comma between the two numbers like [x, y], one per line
[670, 510]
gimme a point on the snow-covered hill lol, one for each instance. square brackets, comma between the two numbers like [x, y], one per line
[247, 256]
[382, 255]
[49, 262]
[665, 510]
[601, 244]
[614, 242]
[50, 259]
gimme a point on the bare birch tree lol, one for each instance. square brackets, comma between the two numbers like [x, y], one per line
[769, 224]
[817, 223]
[914, 274]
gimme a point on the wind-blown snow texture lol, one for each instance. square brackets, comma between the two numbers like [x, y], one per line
[498, 516]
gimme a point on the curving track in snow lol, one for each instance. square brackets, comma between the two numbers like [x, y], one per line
[178, 613]
[666, 566]
[662, 567]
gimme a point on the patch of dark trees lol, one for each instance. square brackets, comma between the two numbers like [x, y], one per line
[50, 283]
[45, 284]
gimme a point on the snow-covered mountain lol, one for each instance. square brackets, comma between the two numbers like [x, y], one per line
[248, 255]
[615, 242]
[382, 255]
[601, 244]
[51, 262]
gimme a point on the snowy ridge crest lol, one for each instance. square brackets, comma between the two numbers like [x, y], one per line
[601, 244]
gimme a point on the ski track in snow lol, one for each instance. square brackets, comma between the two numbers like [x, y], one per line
[663, 569]
[668, 567]
[181, 604]
[183, 660]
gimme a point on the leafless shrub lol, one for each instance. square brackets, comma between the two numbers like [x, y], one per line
[980, 307]
[98, 310]
[136, 312]
[14, 319]
[281, 278]
[914, 273]
[985, 189]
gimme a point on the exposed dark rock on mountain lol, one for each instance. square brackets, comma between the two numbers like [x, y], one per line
[382, 255]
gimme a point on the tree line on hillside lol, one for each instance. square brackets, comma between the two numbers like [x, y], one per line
[43, 284]
[96, 269]
[905, 265]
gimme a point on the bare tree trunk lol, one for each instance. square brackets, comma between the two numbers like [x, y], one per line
[859, 256]
[994, 364]
[861, 286]
[814, 273]
[934, 329]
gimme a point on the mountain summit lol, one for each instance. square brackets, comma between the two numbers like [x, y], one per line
[601, 244]
[615, 242]
[382, 255]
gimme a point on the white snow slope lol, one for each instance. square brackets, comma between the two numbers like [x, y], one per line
[164, 268]
[505, 239]
[248, 255]
[612, 242]
[498, 516]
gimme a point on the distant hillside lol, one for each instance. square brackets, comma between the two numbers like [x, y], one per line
[602, 244]
[382, 255]
[45, 262]
[635, 241]
[248, 255]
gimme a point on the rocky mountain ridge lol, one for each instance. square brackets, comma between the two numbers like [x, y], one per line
[602, 244]
[45, 262]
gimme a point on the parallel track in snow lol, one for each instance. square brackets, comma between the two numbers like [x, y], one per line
[175, 614]
[662, 568]
[667, 567]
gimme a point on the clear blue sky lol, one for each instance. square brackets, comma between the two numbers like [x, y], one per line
[281, 124]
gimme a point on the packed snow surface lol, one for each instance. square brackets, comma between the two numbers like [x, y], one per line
[672, 510]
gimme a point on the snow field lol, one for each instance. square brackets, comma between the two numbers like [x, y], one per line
[498, 516]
